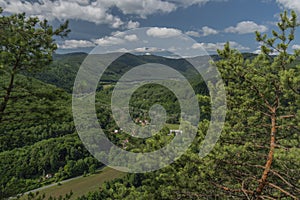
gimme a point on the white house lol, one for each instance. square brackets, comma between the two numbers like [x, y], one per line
[175, 131]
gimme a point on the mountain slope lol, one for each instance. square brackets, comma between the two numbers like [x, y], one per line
[35, 111]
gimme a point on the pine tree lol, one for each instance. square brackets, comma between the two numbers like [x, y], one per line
[26, 44]
[263, 117]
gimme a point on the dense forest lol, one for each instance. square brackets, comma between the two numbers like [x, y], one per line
[257, 156]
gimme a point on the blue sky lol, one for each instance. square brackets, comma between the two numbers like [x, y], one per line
[210, 23]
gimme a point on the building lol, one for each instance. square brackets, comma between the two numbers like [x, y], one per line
[175, 131]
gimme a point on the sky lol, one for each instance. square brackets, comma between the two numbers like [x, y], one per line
[210, 23]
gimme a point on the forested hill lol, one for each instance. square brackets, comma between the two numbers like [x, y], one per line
[37, 132]
[37, 137]
[256, 156]
[36, 111]
[63, 70]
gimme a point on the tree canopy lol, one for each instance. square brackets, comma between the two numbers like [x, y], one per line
[26, 44]
[257, 156]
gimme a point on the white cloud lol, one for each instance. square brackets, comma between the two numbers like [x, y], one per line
[142, 8]
[237, 46]
[163, 32]
[246, 27]
[96, 11]
[62, 9]
[117, 22]
[131, 38]
[193, 33]
[132, 25]
[205, 31]
[187, 3]
[81, 2]
[118, 34]
[296, 46]
[208, 31]
[207, 46]
[74, 44]
[109, 41]
[116, 38]
[257, 51]
[290, 4]
[219, 45]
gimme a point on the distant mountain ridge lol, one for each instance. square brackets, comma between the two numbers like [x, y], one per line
[62, 72]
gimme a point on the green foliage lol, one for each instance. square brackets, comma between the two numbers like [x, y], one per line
[38, 196]
[22, 169]
[257, 156]
[264, 115]
[148, 95]
[62, 71]
[26, 44]
[36, 111]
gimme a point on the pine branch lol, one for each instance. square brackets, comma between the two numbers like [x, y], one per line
[282, 190]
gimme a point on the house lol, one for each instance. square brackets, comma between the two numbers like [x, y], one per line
[175, 131]
[48, 176]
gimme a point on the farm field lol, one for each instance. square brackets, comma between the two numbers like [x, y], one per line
[81, 186]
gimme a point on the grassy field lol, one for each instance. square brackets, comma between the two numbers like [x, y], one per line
[82, 185]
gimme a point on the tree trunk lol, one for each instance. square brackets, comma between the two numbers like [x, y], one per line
[7, 95]
[263, 180]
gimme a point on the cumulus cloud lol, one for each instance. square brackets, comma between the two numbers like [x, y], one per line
[187, 3]
[117, 22]
[116, 38]
[219, 45]
[109, 41]
[74, 44]
[246, 27]
[131, 38]
[131, 24]
[62, 10]
[296, 46]
[205, 31]
[257, 51]
[208, 31]
[193, 33]
[290, 4]
[142, 8]
[96, 11]
[207, 46]
[163, 32]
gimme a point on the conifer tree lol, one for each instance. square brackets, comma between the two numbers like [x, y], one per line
[263, 117]
[26, 44]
